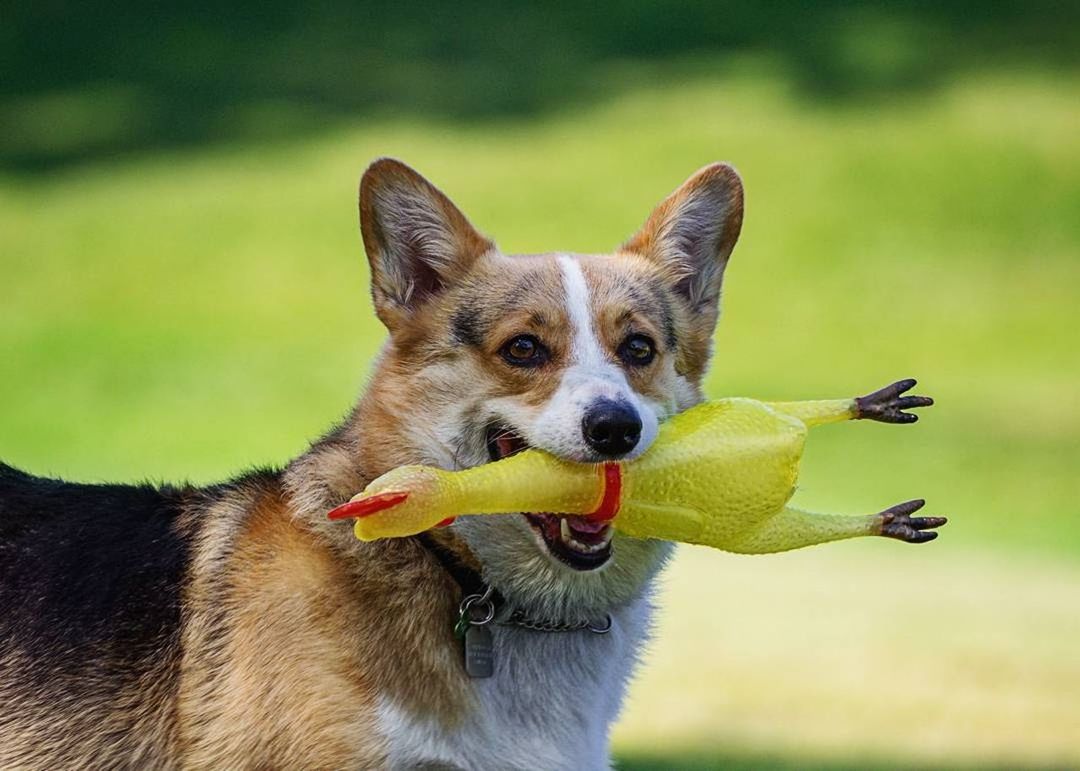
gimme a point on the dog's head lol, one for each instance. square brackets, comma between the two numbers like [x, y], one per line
[579, 355]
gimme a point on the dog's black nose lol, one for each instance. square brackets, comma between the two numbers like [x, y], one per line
[611, 428]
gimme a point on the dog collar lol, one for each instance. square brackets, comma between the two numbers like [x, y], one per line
[482, 604]
[468, 580]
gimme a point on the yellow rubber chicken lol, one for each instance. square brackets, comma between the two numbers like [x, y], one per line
[720, 474]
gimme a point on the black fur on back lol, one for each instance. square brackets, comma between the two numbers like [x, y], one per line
[89, 574]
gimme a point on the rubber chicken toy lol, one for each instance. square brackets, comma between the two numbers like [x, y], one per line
[719, 474]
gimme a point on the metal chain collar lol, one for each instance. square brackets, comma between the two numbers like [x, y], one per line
[479, 610]
[519, 618]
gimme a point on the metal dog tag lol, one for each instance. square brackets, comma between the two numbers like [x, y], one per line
[479, 651]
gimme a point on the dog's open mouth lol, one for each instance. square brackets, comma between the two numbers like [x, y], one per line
[576, 541]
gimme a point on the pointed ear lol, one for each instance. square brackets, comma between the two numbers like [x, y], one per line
[692, 232]
[417, 241]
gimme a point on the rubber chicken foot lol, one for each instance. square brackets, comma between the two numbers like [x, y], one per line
[897, 522]
[887, 405]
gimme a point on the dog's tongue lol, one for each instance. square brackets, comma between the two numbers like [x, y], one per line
[586, 525]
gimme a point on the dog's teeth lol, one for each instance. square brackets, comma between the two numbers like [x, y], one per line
[585, 548]
[602, 543]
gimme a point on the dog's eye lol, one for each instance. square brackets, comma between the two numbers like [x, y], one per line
[524, 351]
[637, 350]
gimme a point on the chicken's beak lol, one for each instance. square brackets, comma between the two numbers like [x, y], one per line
[365, 507]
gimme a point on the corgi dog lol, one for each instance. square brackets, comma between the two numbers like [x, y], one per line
[234, 626]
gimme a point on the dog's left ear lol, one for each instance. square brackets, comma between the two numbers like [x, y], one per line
[417, 241]
[692, 232]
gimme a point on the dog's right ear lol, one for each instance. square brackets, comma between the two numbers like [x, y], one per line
[417, 241]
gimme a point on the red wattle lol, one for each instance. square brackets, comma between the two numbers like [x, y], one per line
[609, 503]
[367, 506]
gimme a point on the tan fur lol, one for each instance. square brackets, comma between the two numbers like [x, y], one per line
[283, 670]
[132, 730]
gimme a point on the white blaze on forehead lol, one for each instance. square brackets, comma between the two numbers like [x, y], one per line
[585, 347]
[590, 375]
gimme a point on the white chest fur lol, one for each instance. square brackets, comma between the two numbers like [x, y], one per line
[550, 703]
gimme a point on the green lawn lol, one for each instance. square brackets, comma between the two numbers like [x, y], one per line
[188, 315]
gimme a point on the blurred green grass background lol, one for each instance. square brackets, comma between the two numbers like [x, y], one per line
[183, 301]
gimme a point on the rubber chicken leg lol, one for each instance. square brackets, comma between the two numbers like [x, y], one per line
[720, 474]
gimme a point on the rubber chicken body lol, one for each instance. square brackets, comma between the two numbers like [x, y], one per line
[720, 474]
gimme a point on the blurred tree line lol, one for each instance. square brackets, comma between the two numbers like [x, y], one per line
[80, 80]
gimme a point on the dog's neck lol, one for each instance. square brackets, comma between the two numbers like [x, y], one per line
[342, 463]
[369, 442]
